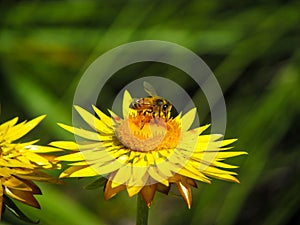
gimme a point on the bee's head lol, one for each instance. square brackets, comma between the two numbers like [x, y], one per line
[165, 105]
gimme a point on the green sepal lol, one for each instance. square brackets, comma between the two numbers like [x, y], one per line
[12, 207]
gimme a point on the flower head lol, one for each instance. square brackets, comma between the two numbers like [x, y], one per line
[22, 163]
[148, 158]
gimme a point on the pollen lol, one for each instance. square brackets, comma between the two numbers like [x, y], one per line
[155, 133]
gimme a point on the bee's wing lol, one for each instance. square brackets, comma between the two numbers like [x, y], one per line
[149, 89]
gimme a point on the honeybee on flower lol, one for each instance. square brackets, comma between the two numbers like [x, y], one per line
[147, 150]
[151, 106]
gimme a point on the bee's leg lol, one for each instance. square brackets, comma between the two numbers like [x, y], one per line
[154, 115]
[142, 124]
[166, 115]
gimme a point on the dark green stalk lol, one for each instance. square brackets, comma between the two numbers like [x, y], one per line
[142, 211]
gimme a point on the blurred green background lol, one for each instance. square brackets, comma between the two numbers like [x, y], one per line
[253, 48]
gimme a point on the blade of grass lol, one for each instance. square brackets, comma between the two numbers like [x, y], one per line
[260, 133]
[37, 100]
[59, 209]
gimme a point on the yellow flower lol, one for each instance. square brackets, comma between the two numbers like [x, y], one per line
[21, 163]
[145, 159]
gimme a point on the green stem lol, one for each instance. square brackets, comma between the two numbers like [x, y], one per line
[141, 211]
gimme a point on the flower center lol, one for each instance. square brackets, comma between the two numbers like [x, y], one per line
[145, 133]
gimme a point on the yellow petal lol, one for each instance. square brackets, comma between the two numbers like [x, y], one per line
[163, 153]
[24, 160]
[17, 162]
[188, 119]
[96, 157]
[141, 182]
[225, 177]
[123, 175]
[193, 173]
[224, 165]
[81, 132]
[21, 129]
[157, 176]
[104, 118]
[127, 99]
[78, 156]
[81, 163]
[93, 121]
[140, 161]
[103, 157]
[177, 160]
[116, 184]
[203, 128]
[224, 155]
[165, 167]
[132, 155]
[38, 159]
[5, 172]
[84, 172]
[42, 149]
[209, 138]
[70, 170]
[133, 190]
[10, 123]
[68, 145]
[92, 145]
[214, 170]
[220, 149]
[114, 116]
[20, 146]
[109, 167]
[228, 142]
[1, 201]
[150, 158]
[138, 173]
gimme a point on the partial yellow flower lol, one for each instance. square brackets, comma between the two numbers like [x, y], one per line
[146, 159]
[22, 163]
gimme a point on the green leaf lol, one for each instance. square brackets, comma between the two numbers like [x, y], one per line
[12, 207]
[100, 182]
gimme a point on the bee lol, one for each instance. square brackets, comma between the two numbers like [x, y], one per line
[153, 105]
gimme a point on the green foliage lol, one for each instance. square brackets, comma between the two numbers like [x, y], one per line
[98, 183]
[13, 208]
[251, 46]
